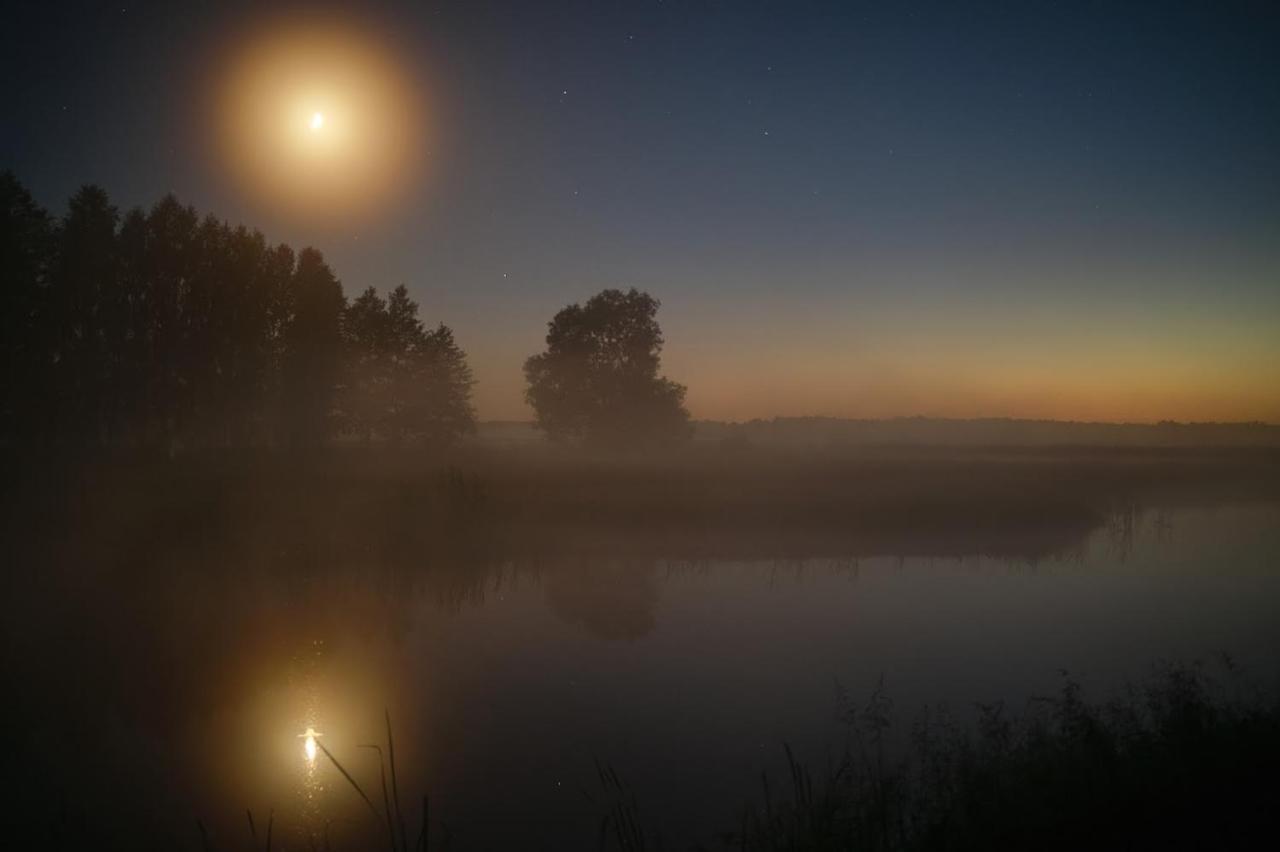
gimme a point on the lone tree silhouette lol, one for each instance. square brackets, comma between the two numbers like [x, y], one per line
[598, 380]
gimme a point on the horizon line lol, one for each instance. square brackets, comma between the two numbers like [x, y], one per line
[931, 418]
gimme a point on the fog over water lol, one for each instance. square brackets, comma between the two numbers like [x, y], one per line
[181, 694]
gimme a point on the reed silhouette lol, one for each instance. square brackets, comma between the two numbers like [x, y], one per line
[1183, 760]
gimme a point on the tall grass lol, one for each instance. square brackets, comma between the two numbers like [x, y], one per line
[1181, 762]
[391, 815]
[1185, 760]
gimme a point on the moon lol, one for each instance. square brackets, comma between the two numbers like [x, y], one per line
[321, 121]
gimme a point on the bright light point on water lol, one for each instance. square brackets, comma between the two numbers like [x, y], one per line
[317, 121]
[309, 747]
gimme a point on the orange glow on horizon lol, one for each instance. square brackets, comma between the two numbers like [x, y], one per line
[1218, 374]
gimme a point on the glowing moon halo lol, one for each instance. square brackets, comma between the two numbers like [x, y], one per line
[320, 121]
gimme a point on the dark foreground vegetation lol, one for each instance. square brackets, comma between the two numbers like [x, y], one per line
[1182, 761]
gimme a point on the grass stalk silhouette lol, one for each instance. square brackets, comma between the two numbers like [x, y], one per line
[391, 816]
[1179, 761]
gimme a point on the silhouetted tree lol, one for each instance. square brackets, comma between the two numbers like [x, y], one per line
[26, 250]
[83, 283]
[134, 365]
[161, 329]
[366, 379]
[403, 383]
[165, 256]
[598, 379]
[203, 306]
[439, 408]
[230, 332]
[313, 349]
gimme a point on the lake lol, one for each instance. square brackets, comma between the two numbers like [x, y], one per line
[183, 695]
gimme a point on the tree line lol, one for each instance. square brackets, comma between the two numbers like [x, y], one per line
[164, 329]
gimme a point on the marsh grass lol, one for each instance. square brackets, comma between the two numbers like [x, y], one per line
[621, 825]
[1184, 760]
[253, 830]
[1181, 762]
[391, 816]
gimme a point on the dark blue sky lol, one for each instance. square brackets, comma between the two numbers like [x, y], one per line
[1063, 209]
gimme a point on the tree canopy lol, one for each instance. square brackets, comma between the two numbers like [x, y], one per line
[598, 378]
[402, 381]
[160, 328]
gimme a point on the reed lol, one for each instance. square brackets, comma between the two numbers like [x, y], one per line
[1176, 763]
[391, 817]
[1182, 760]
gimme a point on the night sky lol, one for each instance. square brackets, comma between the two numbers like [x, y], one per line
[1031, 209]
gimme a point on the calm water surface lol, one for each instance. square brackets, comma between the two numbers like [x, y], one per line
[184, 696]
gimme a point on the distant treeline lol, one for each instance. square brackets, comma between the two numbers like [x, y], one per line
[161, 329]
[832, 432]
